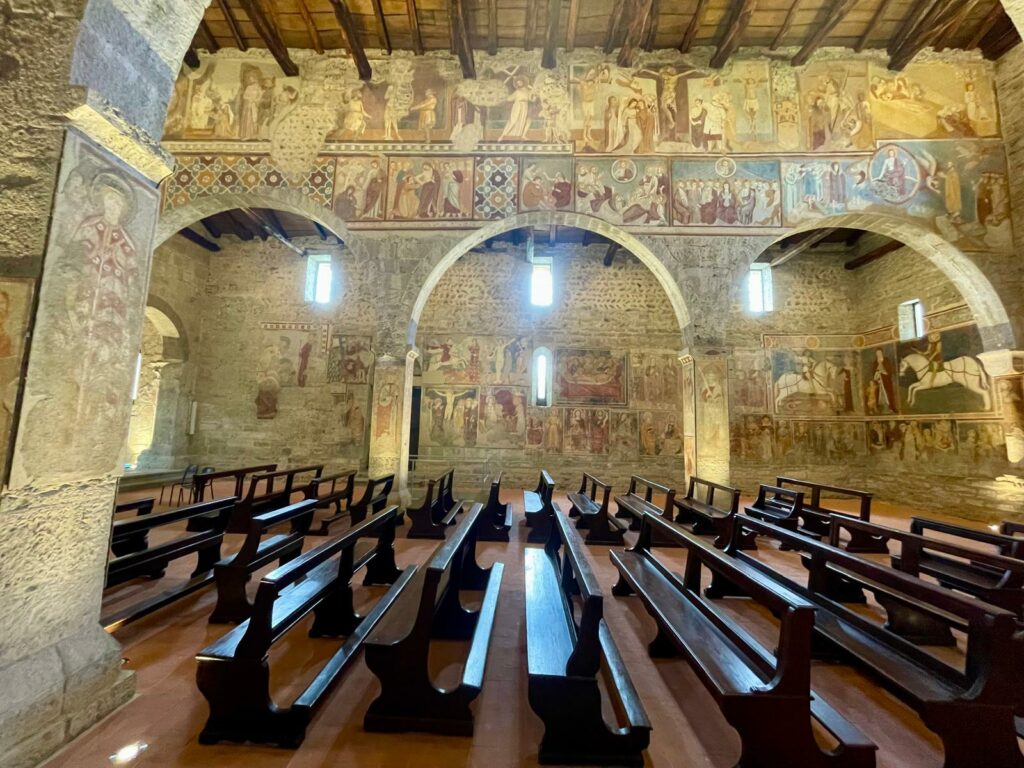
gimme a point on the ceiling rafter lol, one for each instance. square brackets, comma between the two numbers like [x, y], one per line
[549, 59]
[787, 24]
[232, 22]
[414, 27]
[310, 23]
[460, 37]
[640, 12]
[267, 30]
[382, 27]
[571, 24]
[734, 34]
[492, 27]
[836, 13]
[693, 27]
[355, 47]
[876, 19]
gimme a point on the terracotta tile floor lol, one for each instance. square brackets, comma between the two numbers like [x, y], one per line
[168, 711]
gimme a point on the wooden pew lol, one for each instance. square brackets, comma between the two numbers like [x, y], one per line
[374, 499]
[232, 574]
[764, 694]
[1013, 528]
[592, 515]
[702, 516]
[398, 650]
[993, 578]
[278, 488]
[539, 508]
[565, 655]
[497, 516]
[448, 500]
[633, 505]
[779, 506]
[234, 672]
[970, 708]
[152, 561]
[430, 519]
[1005, 545]
[815, 516]
[204, 481]
[125, 544]
[332, 491]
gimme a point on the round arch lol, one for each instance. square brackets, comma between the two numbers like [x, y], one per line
[554, 218]
[976, 289]
[287, 200]
[168, 323]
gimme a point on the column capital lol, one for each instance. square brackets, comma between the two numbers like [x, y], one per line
[1003, 362]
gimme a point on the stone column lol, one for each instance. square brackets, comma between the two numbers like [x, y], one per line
[1006, 367]
[60, 672]
[390, 418]
[711, 377]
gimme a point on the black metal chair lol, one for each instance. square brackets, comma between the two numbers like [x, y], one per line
[187, 482]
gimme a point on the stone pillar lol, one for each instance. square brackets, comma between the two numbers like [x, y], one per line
[390, 418]
[711, 377]
[1006, 367]
[689, 416]
[60, 672]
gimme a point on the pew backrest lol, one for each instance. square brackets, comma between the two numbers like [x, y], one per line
[577, 578]
[814, 502]
[1008, 546]
[732, 504]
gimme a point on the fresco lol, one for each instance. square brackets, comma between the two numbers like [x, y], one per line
[655, 380]
[942, 373]
[818, 442]
[660, 434]
[624, 434]
[626, 191]
[425, 188]
[752, 438]
[349, 359]
[288, 350]
[353, 417]
[546, 184]
[713, 405]
[732, 110]
[449, 416]
[934, 100]
[472, 359]
[360, 185]
[836, 106]
[929, 443]
[726, 192]
[15, 317]
[814, 382]
[591, 376]
[879, 378]
[982, 444]
[586, 430]
[748, 381]
[502, 417]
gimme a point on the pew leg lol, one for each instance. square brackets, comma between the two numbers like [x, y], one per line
[622, 588]
[238, 692]
[662, 646]
[913, 625]
[540, 528]
[975, 735]
[774, 732]
[574, 730]
[842, 590]
[208, 558]
[232, 602]
[382, 569]
[335, 615]
[722, 587]
[864, 543]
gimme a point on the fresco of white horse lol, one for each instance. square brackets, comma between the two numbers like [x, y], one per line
[965, 371]
[819, 382]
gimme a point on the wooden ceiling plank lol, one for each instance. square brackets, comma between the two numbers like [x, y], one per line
[876, 19]
[549, 59]
[874, 255]
[210, 225]
[932, 26]
[652, 27]
[571, 24]
[795, 249]
[613, 26]
[954, 25]
[836, 13]
[734, 34]
[355, 47]
[311, 29]
[209, 41]
[986, 26]
[530, 25]
[414, 27]
[609, 256]
[786, 25]
[693, 27]
[267, 31]
[640, 14]
[492, 27]
[460, 36]
[232, 22]
[382, 26]
[917, 12]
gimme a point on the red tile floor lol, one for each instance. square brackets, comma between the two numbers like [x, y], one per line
[168, 712]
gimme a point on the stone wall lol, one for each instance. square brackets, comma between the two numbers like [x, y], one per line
[479, 335]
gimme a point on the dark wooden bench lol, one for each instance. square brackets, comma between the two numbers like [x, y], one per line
[564, 658]
[634, 505]
[374, 499]
[122, 543]
[234, 672]
[763, 693]
[203, 481]
[1006, 545]
[815, 516]
[277, 490]
[152, 561]
[232, 573]
[590, 507]
[1011, 528]
[332, 491]
[398, 650]
[539, 508]
[779, 506]
[430, 518]
[497, 516]
[986, 575]
[702, 516]
[970, 707]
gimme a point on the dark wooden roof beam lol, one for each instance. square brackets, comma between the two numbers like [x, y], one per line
[414, 27]
[529, 24]
[311, 28]
[382, 27]
[609, 255]
[794, 249]
[874, 255]
[211, 226]
[640, 15]
[836, 13]
[738, 24]
[651, 35]
[571, 24]
[612, 35]
[918, 11]
[787, 24]
[460, 35]
[987, 25]
[267, 31]
[232, 22]
[876, 19]
[355, 47]
[194, 237]
[693, 27]
[549, 59]
[936, 23]
[209, 42]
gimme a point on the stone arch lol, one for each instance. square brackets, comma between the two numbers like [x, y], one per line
[288, 200]
[975, 287]
[544, 219]
[168, 323]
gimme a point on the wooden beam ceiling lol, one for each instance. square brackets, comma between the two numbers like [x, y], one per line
[492, 26]
[986, 25]
[836, 13]
[414, 27]
[875, 255]
[460, 35]
[876, 19]
[549, 60]
[614, 20]
[640, 13]
[232, 22]
[786, 25]
[693, 26]
[571, 24]
[194, 237]
[382, 26]
[208, 41]
[734, 34]
[310, 24]
[651, 34]
[795, 249]
[609, 256]
[267, 31]
[348, 27]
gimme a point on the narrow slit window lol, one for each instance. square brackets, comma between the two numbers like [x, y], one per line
[541, 286]
[911, 319]
[759, 288]
[542, 377]
[319, 278]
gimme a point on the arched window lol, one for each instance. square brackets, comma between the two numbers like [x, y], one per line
[543, 376]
